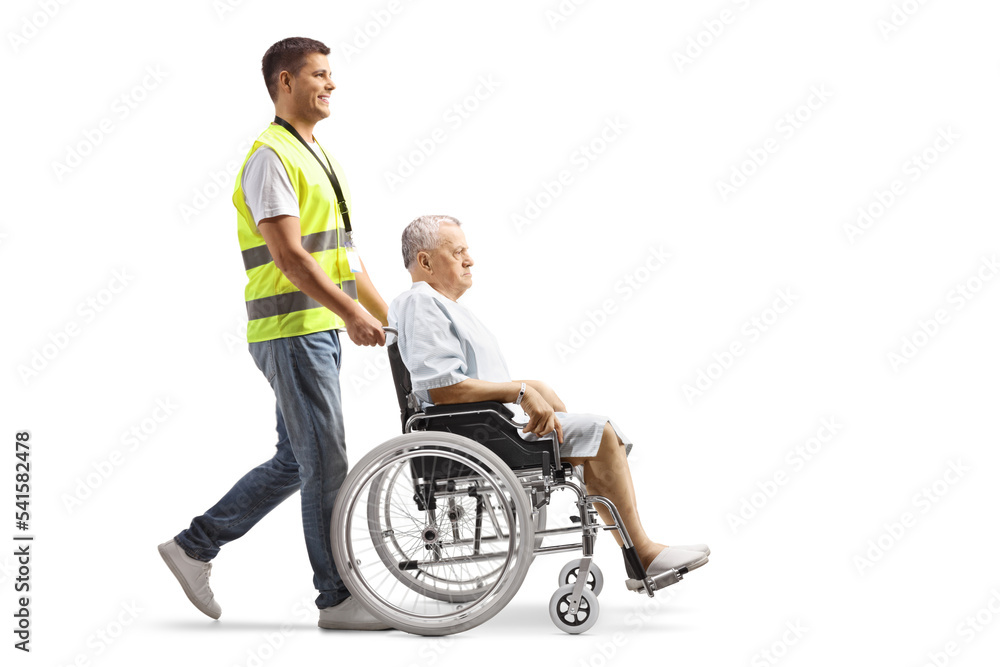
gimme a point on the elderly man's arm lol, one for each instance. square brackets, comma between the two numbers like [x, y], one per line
[541, 414]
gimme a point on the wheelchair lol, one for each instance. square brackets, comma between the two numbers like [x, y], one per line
[433, 531]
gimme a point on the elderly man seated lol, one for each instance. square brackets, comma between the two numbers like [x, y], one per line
[453, 358]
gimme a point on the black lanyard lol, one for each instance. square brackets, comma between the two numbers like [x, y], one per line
[327, 168]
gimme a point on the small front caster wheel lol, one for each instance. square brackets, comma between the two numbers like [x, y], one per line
[585, 616]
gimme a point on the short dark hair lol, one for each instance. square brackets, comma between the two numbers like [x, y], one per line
[288, 55]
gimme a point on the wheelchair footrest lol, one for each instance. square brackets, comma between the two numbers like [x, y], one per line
[650, 585]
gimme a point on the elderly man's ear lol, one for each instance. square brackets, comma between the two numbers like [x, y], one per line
[424, 260]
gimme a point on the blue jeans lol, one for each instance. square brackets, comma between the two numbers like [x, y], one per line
[311, 457]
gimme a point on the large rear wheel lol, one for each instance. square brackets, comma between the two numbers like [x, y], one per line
[432, 533]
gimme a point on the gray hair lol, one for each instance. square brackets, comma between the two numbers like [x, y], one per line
[422, 234]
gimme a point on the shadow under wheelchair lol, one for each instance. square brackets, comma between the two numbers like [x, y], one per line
[434, 530]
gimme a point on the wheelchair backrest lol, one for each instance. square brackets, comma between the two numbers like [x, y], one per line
[401, 380]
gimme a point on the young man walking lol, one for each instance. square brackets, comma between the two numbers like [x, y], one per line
[305, 281]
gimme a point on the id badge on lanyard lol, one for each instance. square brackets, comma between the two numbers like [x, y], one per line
[353, 258]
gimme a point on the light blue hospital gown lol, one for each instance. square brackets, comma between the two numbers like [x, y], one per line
[442, 343]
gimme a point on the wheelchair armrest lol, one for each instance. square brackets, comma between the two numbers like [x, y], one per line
[469, 407]
[459, 409]
[479, 419]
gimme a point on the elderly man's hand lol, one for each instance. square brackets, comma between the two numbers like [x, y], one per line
[548, 394]
[541, 415]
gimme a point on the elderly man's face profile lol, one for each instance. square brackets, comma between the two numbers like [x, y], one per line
[450, 263]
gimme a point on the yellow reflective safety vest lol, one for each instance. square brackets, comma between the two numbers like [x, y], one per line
[275, 307]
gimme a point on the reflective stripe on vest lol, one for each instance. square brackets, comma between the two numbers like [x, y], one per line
[275, 307]
[328, 240]
[292, 302]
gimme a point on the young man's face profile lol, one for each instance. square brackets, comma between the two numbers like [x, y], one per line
[311, 88]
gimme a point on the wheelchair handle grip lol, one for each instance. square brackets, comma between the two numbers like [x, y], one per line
[390, 330]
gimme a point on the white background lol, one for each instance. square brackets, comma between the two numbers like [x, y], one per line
[88, 356]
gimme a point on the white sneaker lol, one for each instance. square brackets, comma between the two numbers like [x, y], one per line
[349, 615]
[674, 558]
[694, 547]
[193, 576]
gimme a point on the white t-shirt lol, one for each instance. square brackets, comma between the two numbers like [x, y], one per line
[267, 190]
